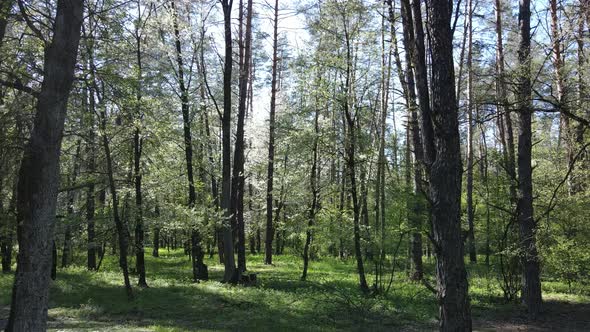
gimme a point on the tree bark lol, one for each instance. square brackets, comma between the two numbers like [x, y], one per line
[470, 128]
[137, 152]
[271, 143]
[445, 176]
[39, 174]
[200, 270]
[531, 282]
[415, 206]
[504, 116]
[239, 160]
[230, 271]
[314, 175]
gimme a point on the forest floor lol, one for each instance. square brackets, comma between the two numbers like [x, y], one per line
[328, 301]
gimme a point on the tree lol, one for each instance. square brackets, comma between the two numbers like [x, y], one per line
[271, 143]
[470, 128]
[200, 271]
[415, 205]
[531, 282]
[230, 274]
[445, 176]
[238, 171]
[39, 173]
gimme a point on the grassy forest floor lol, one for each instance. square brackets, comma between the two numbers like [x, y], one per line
[329, 300]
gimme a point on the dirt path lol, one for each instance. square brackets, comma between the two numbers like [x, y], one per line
[556, 316]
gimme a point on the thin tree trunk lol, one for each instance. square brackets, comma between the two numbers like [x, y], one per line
[351, 141]
[565, 132]
[230, 273]
[137, 152]
[157, 234]
[200, 270]
[91, 168]
[314, 175]
[470, 128]
[39, 173]
[271, 143]
[504, 117]
[238, 171]
[67, 247]
[7, 238]
[416, 207]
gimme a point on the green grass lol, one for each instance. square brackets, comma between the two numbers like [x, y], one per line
[328, 301]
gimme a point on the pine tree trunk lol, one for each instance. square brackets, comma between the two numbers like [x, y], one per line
[230, 273]
[270, 228]
[445, 176]
[470, 128]
[415, 205]
[531, 282]
[239, 158]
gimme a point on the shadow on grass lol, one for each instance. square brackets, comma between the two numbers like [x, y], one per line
[87, 300]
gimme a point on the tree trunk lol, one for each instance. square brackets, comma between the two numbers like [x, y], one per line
[230, 273]
[90, 149]
[238, 171]
[200, 271]
[120, 226]
[39, 174]
[351, 140]
[7, 238]
[415, 205]
[137, 152]
[67, 248]
[531, 282]
[271, 143]
[313, 184]
[504, 118]
[470, 127]
[445, 176]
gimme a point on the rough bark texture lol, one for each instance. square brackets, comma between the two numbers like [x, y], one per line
[421, 75]
[531, 282]
[445, 176]
[470, 128]
[39, 174]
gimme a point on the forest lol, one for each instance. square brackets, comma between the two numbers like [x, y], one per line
[296, 165]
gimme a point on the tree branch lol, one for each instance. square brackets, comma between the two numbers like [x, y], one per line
[19, 86]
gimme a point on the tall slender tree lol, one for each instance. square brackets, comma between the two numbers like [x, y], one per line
[531, 282]
[239, 157]
[470, 129]
[270, 228]
[230, 274]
